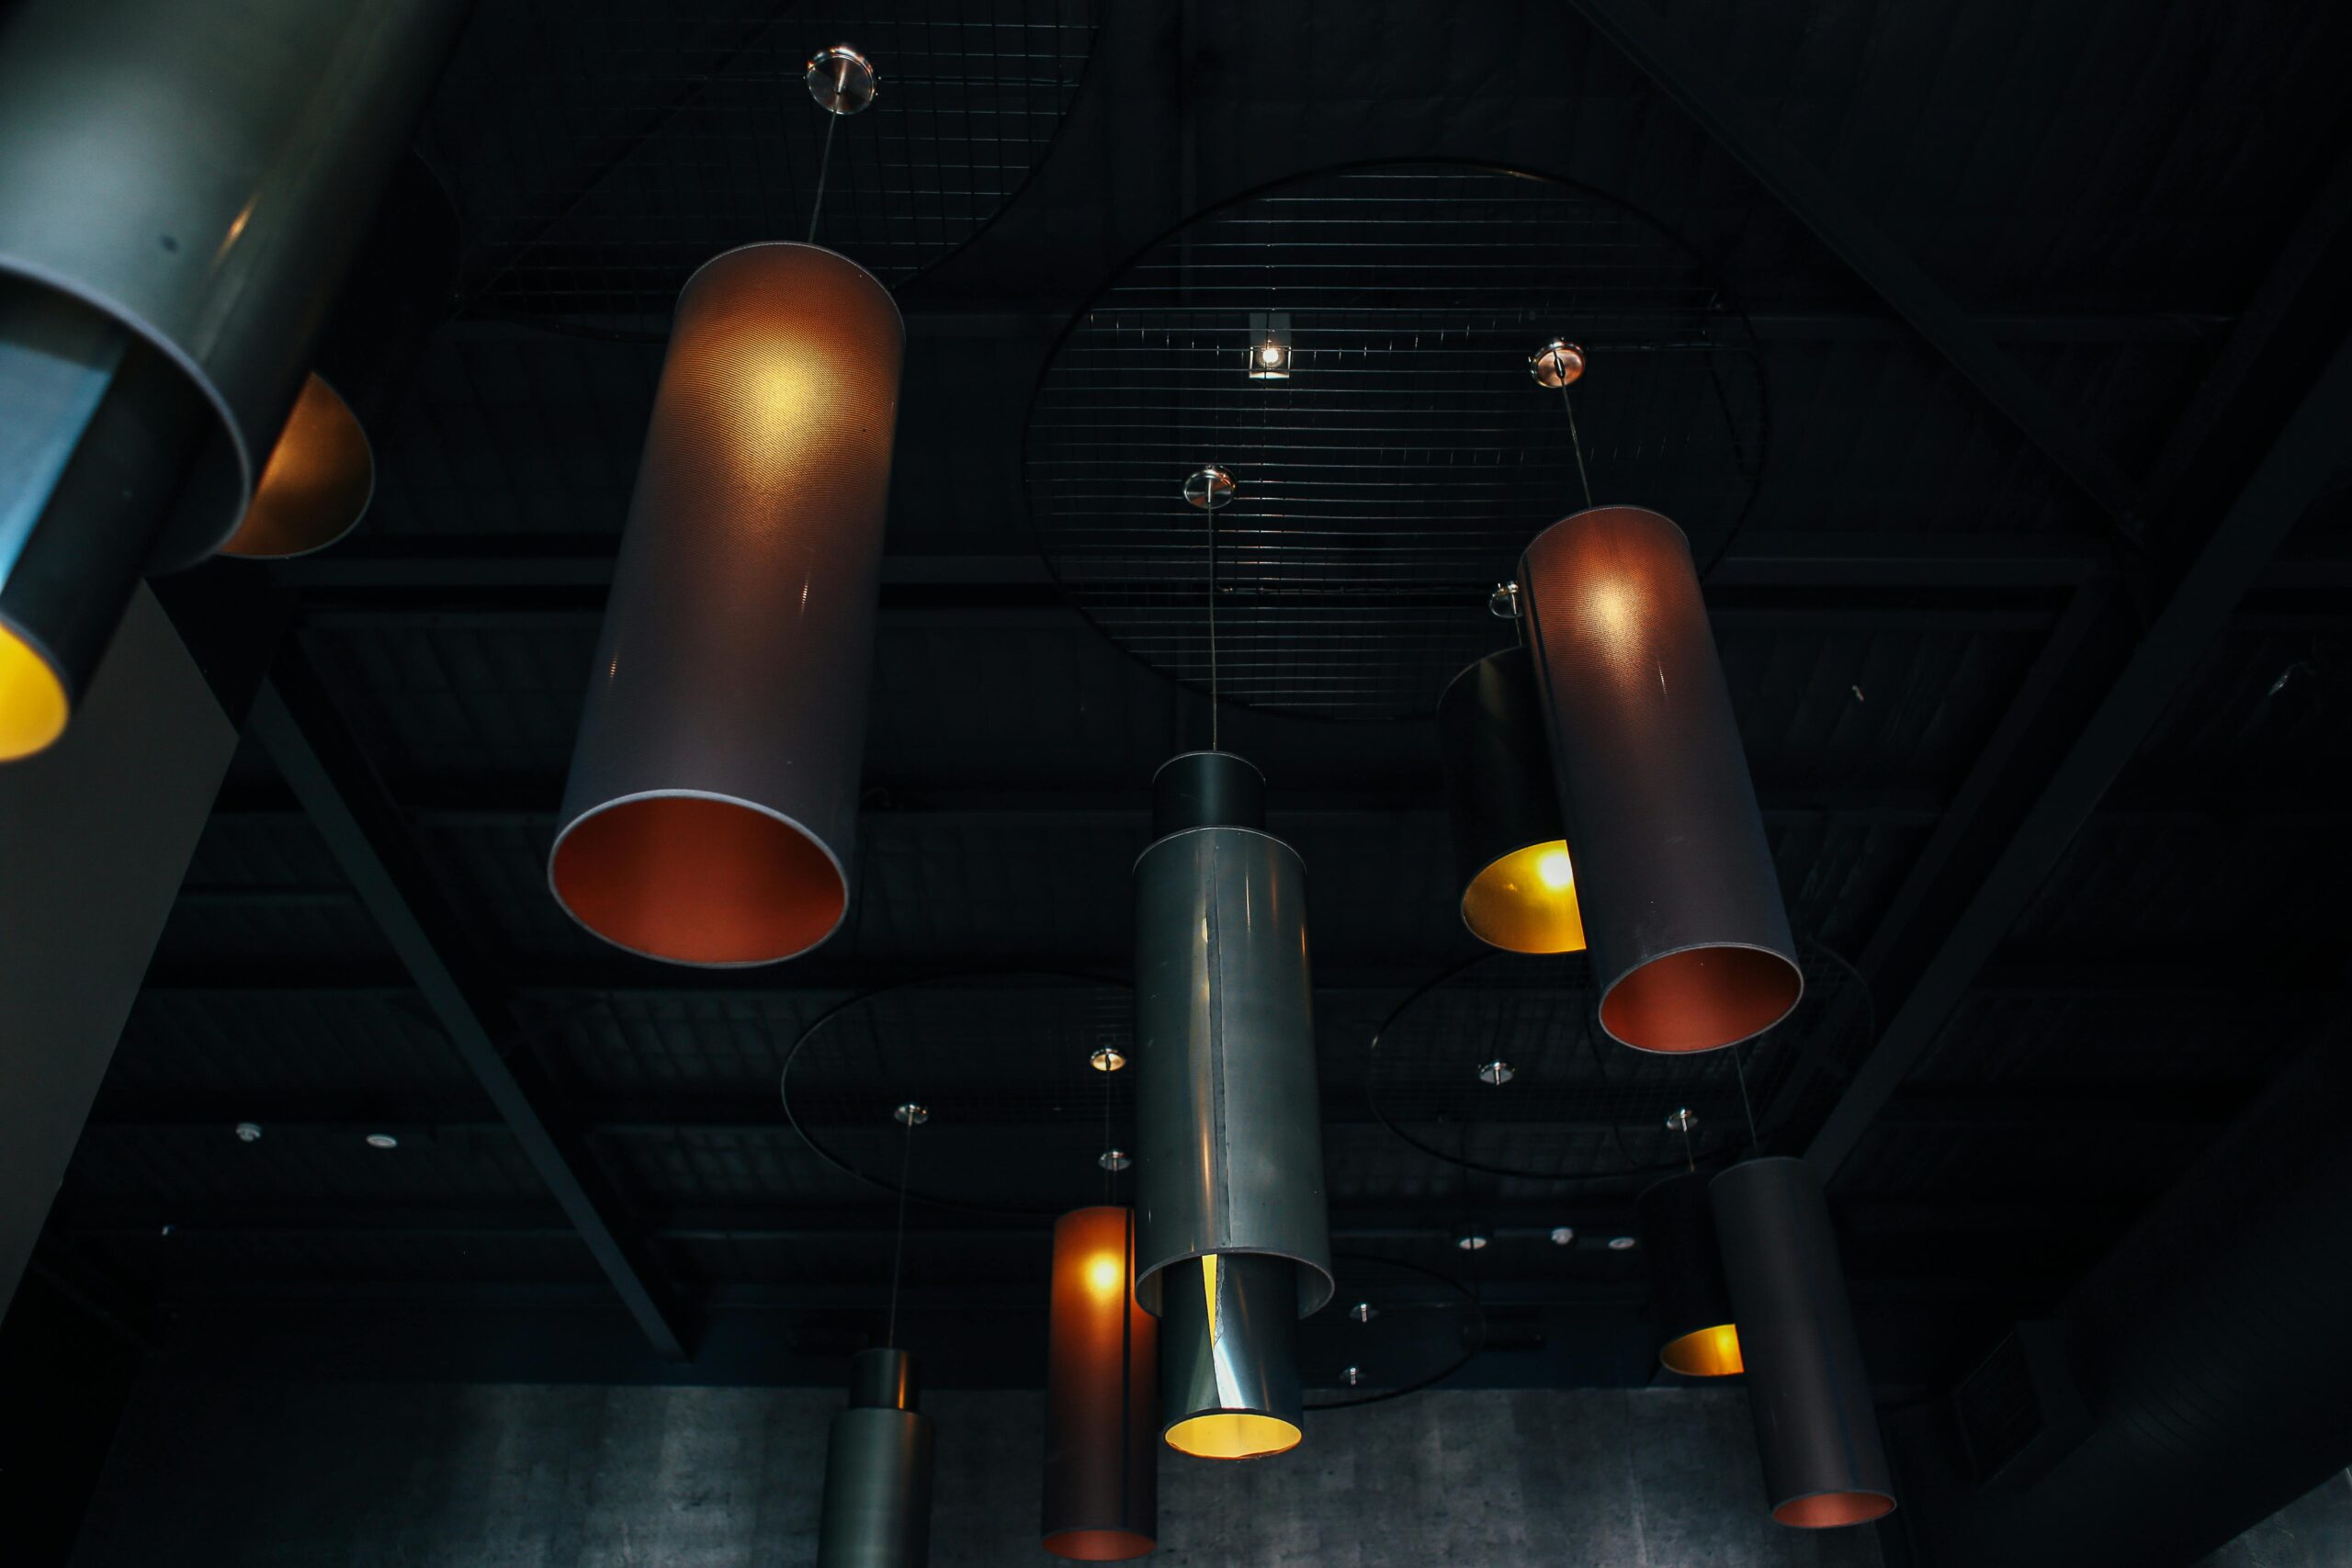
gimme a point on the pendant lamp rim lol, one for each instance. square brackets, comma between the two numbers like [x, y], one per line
[880, 287]
[1297, 1432]
[1208, 751]
[1100, 1543]
[16, 744]
[555, 890]
[1620, 506]
[1791, 1511]
[1276, 838]
[345, 417]
[171, 550]
[1609, 988]
[1310, 1301]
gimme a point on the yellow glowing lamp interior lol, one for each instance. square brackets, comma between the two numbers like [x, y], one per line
[1705, 1353]
[1226, 1435]
[1526, 902]
[32, 700]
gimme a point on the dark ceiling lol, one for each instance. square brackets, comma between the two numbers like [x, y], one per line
[2038, 624]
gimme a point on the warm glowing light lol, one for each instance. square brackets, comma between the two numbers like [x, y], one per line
[1706, 1353]
[1834, 1511]
[1526, 902]
[1270, 355]
[1105, 1274]
[33, 707]
[316, 484]
[1222, 1435]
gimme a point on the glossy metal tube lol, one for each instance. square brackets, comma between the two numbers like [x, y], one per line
[1228, 1362]
[201, 175]
[712, 804]
[876, 1511]
[1816, 1428]
[1230, 1155]
[1689, 1298]
[1681, 905]
[1511, 853]
[1102, 1492]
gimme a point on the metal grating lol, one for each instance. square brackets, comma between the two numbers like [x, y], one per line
[1390, 480]
[1499, 1068]
[599, 152]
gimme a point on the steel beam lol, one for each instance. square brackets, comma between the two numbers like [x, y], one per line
[297, 720]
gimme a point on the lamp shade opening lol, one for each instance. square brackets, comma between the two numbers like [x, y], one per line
[1675, 883]
[1510, 851]
[317, 483]
[1229, 1381]
[33, 705]
[711, 809]
[1689, 1300]
[1102, 1490]
[1816, 1428]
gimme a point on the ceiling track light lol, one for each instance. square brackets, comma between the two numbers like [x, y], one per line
[1101, 1488]
[1270, 346]
[1233, 1240]
[182, 191]
[1816, 1428]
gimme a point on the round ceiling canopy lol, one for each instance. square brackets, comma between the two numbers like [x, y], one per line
[1014, 1116]
[1499, 1066]
[1353, 349]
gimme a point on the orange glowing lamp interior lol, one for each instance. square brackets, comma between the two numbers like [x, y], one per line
[1526, 902]
[698, 880]
[1705, 1353]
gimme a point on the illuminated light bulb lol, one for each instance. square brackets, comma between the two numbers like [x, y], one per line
[1105, 1276]
[1270, 355]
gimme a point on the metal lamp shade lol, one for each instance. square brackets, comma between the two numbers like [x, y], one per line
[1691, 944]
[1101, 1499]
[1511, 853]
[876, 1511]
[713, 794]
[1689, 1295]
[1816, 1427]
[1228, 1363]
[182, 188]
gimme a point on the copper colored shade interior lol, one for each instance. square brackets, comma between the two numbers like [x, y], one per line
[33, 706]
[1526, 902]
[316, 485]
[1701, 998]
[1833, 1510]
[1101, 1395]
[1224, 1434]
[1705, 1353]
[698, 880]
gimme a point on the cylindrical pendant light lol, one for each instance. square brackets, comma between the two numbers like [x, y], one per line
[1511, 853]
[1691, 944]
[1687, 1294]
[1230, 1140]
[1102, 1502]
[712, 794]
[876, 1511]
[1816, 1427]
[182, 188]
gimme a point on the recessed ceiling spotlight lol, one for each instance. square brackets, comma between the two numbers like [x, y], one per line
[1496, 1072]
[1564, 1236]
[248, 1131]
[1107, 1059]
[382, 1141]
[1624, 1242]
[1471, 1241]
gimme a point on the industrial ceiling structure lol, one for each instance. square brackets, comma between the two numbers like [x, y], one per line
[1996, 356]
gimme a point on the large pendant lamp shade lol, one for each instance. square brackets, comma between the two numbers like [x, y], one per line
[1816, 1427]
[1511, 853]
[1231, 1218]
[713, 796]
[1690, 945]
[1689, 1296]
[1102, 1501]
[182, 189]
[876, 1511]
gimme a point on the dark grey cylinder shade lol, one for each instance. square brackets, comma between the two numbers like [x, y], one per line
[1229, 1143]
[1816, 1428]
[1681, 905]
[202, 174]
[1229, 1360]
[876, 1511]
[712, 805]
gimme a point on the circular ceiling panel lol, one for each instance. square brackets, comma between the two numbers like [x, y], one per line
[1014, 1116]
[1391, 1328]
[1500, 1068]
[601, 150]
[1353, 349]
